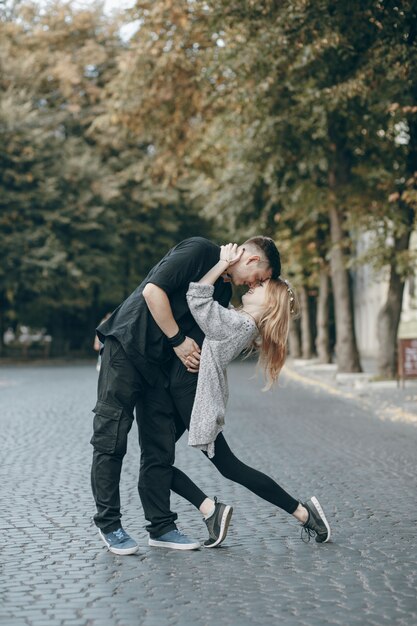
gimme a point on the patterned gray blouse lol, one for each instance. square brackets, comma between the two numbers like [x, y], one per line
[227, 333]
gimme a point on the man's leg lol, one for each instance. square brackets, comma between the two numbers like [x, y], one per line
[118, 387]
[156, 425]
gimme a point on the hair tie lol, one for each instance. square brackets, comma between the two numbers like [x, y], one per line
[291, 293]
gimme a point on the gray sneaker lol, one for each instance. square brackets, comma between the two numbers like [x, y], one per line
[119, 542]
[218, 524]
[317, 525]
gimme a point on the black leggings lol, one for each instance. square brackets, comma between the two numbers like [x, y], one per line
[183, 386]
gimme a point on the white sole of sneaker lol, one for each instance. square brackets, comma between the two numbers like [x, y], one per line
[224, 526]
[323, 517]
[119, 551]
[174, 546]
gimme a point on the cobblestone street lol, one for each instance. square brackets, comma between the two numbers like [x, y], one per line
[56, 571]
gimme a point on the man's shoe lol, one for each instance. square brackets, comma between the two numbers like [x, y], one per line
[317, 524]
[175, 540]
[217, 524]
[119, 542]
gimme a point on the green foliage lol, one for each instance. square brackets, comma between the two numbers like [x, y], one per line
[223, 118]
[81, 220]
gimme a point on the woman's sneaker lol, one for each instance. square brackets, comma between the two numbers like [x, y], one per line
[119, 542]
[218, 524]
[317, 524]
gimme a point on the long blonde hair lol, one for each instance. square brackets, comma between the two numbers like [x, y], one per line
[280, 306]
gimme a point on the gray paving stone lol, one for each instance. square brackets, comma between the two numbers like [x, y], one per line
[57, 571]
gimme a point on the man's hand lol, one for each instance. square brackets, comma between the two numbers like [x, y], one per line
[189, 354]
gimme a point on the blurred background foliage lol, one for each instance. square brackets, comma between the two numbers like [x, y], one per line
[224, 118]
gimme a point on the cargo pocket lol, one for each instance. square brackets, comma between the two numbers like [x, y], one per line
[106, 427]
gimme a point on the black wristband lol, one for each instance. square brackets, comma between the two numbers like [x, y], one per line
[177, 339]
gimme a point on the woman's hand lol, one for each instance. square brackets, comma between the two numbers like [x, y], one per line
[230, 253]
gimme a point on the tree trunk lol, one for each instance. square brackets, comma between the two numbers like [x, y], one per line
[294, 343]
[2, 321]
[60, 338]
[387, 327]
[339, 174]
[390, 314]
[347, 355]
[93, 318]
[322, 339]
[306, 342]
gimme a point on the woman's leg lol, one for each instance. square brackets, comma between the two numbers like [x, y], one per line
[181, 484]
[310, 514]
[184, 487]
[183, 386]
[262, 485]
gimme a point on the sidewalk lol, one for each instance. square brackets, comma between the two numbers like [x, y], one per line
[389, 399]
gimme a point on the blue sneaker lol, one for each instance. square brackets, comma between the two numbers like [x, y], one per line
[119, 542]
[176, 540]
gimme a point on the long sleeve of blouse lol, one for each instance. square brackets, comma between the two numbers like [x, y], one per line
[227, 333]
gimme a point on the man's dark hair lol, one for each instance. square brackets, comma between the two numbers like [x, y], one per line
[269, 250]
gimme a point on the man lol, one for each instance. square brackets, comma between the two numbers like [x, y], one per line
[141, 337]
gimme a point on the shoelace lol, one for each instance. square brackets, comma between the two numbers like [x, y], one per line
[307, 534]
[119, 534]
[179, 533]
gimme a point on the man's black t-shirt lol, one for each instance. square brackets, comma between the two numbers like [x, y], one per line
[132, 323]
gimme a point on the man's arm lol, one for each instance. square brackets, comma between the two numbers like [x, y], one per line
[160, 308]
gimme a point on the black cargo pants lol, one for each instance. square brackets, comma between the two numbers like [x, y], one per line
[121, 388]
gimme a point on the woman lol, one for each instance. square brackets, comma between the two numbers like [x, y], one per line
[263, 318]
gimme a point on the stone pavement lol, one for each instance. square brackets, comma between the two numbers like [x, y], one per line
[389, 399]
[56, 572]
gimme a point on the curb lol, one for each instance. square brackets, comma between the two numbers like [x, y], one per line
[359, 383]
